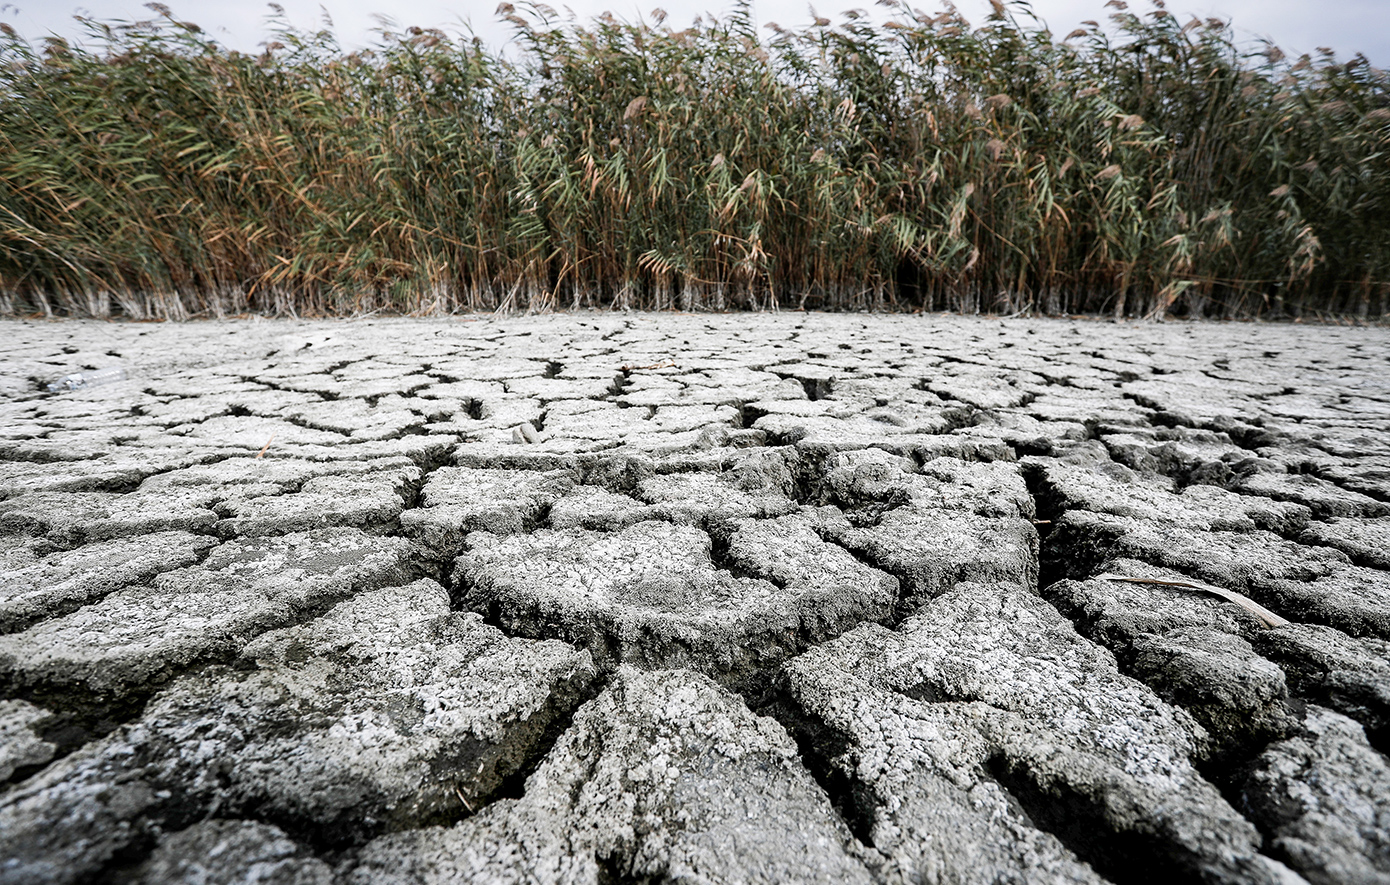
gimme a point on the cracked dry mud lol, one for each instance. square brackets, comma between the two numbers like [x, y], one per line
[604, 598]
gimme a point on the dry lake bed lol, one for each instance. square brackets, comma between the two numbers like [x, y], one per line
[610, 598]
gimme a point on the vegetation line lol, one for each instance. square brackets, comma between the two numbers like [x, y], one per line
[922, 163]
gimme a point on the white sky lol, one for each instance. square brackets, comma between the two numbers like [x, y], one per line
[1297, 26]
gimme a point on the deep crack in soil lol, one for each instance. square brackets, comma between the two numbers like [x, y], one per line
[775, 598]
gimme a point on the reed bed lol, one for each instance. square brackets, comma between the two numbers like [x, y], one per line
[924, 163]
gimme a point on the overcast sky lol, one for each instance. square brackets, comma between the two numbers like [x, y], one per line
[1297, 26]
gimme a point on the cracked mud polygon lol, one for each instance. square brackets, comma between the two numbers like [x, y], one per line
[610, 598]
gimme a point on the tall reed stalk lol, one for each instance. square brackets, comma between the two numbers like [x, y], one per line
[922, 163]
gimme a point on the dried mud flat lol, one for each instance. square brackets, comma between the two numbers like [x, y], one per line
[615, 599]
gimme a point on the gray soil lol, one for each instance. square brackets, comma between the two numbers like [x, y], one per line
[608, 598]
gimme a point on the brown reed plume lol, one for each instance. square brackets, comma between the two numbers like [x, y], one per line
[922, 163]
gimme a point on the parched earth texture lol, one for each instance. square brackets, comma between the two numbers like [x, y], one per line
[607, 598]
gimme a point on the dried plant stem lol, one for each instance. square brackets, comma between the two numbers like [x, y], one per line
[925, 164]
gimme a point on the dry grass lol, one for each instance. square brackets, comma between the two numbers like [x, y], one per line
[924, 164]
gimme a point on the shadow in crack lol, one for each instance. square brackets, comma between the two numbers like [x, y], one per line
[819, 746]
[1078, 822]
